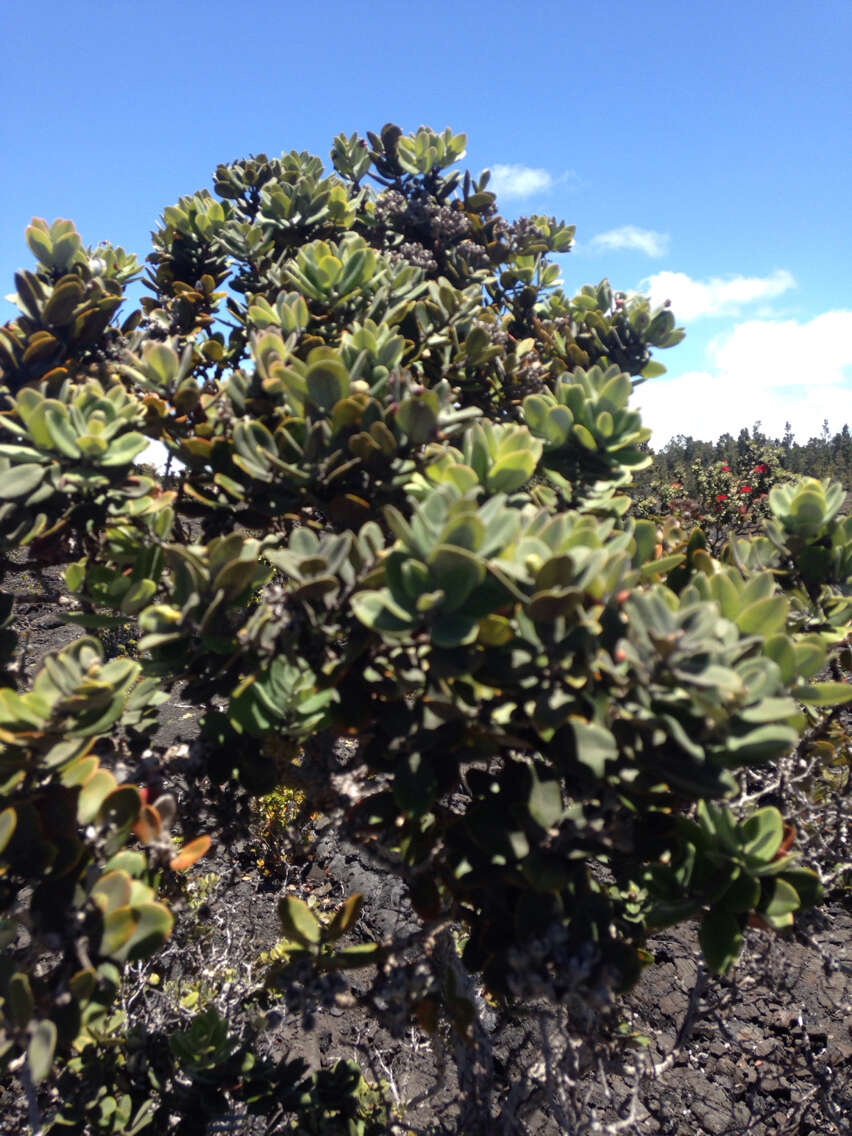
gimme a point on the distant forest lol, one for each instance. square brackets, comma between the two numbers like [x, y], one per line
[829, 455]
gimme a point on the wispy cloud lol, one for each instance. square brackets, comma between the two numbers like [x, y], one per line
[519, 181]
[717, 296]
[525, 181]
[634, 239]
[771, 371]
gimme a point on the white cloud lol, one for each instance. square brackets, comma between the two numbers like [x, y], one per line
[717, 296]
[632, 238]
[771, 371]
[519, 181]
[157, 455]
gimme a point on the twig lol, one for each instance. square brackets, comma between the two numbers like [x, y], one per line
[687, 1025]
[33, 1109]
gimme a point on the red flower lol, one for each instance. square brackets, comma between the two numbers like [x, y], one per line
[721, 496]
[761, 467]
[726, 469]
[677, 485]
[745, 489]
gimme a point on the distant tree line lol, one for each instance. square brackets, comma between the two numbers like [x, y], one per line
[724, 486]
[828, 455]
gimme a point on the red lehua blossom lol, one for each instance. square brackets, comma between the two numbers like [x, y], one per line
[761, 467]
[677, 485]
[721, 496]
[726, 469]
[746, 489]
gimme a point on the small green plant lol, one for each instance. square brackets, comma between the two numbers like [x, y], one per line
[200, 888]
[315, 939]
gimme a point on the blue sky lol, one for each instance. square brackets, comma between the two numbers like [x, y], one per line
[701, 149]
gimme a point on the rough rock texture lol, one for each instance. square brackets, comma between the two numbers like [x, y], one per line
[767, 1052]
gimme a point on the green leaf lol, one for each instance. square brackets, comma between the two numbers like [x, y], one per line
[380, 613]
[653, 370]
[418, 416]
[129, 861]
[668, 913]
[83, 619]
[124, 449]
[778, 922]
[545, 800]
[163, 361]
[464, 532]
[40, 244]
[92, 446]
[350, 958]
[8, 823]
[20, 999]
[765, 617]
[112, 891]
[40, 1051]
[20, 480]
[807, 884]
[584, 436]
[415, 785]
[137, 596]
[783, 899]
[824, 693]
[742, 896]
[345, 917]
[327, 381]
[594, 745]
[75, 575]
[759, 587]
[535, 410]
[763, 833]
[152, 925]
[93, 794]
[457, 572]
[298, 921]
[808, 512]
[663, 565]
[62, 434]
[763, 743]
[66, 296]
[810, 656]
[509, 473]
[721, 940]
[83, 984]
[453, 629]
[780, 649]
[120, 808]
[119, 925]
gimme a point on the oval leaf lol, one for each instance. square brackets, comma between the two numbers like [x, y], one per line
[40, 1051]
[192, 852]
[298, 921]
[345, 917]
[721, 940]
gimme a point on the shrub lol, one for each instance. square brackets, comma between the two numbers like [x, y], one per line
[398, 574]
[721, 495]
